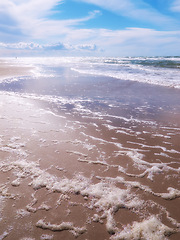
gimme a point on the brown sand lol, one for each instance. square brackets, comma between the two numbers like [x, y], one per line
[29, 132]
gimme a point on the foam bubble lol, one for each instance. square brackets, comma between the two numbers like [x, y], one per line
[22, 213]
[172, 194]
[151, 229]
[5, 233]
[76, 231]
[110, 224]
[46, 237]
[27, 238]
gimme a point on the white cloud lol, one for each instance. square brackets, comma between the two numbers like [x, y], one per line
[134, 41]
[21, 15]
[175, 6]
[31, 19]
[127, 42]
[23, 9]
[20, 45]
[140, 41]
[47, 47]
[55, 28]
[138, 10]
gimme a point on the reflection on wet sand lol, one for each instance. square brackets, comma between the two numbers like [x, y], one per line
[86, 167]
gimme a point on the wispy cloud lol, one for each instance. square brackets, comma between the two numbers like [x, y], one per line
[31, 19]
[27, 26]
[17, 17]
[139, 41]
[138, 10]
[130, 41]
[175, 6]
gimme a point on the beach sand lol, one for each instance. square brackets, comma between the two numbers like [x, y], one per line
[8, 71]
[66, 172]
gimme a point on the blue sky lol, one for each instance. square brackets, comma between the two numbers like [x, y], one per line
[89, 27]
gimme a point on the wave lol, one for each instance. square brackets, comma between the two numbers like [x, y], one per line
[161, 62]
[157, 71]
[164, 71]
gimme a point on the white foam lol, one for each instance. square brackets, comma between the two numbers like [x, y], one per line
[76, 231]
[101, 140]
[151, 229]
[96, 162]
[14, 147]
[172, 194]
[77, 153]
[46, 237]
[104, 195]
[150, 75]
[118, 130]
[164, 149]
[131, 119]
[4, 192]
[5, 233]
[110, 224]
[123, 69]
[9, 80]
[21, 213]
[27, 238]
[16, 182]
[1, 206]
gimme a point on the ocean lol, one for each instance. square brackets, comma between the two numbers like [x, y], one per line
[153, 70]
[89, 148]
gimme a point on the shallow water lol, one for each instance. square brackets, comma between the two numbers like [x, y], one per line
[88, 156]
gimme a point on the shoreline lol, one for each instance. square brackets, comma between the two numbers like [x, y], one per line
[62, 164]
[11, 69]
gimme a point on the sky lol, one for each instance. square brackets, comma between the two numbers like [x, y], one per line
[112, 28]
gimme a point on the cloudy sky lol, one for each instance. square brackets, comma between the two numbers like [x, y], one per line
[89, 27]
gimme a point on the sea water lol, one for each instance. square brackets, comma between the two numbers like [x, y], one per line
[153, 70]
[112, 127]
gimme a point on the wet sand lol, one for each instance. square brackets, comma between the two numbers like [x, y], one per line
[8, 71]
[86, 169]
